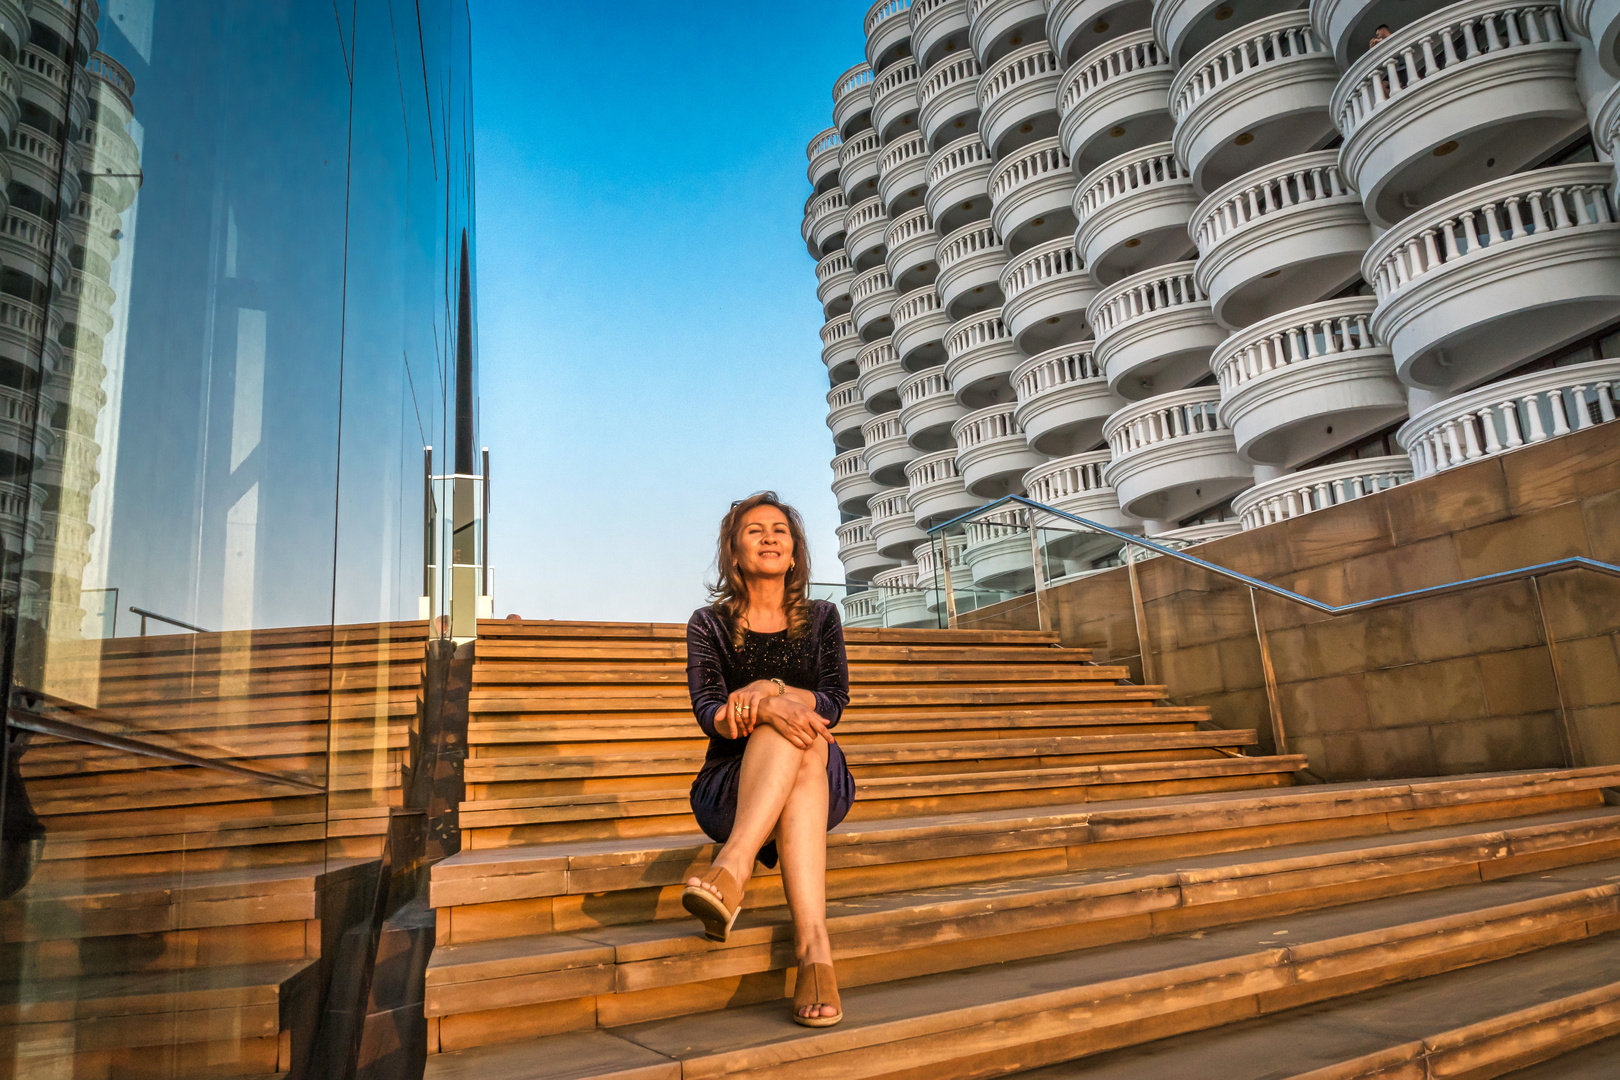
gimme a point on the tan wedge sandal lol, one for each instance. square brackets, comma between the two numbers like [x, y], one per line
[718, 914]
[816, 985]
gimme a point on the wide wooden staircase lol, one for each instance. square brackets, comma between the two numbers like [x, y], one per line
[1046, 868]
[182, 920]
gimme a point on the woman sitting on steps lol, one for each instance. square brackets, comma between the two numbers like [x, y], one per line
[769, 680]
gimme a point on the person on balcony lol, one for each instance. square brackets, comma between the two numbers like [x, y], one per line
[769, 679]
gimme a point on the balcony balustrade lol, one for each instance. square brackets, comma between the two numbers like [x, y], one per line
[10, 103]
[852, 100]
[1476, 90]
[834, 274]
[862, 609]
[1301, 384]
[858, 551]
[1115, 99]
[991, 451]
[1133, 214]
[865, 225]
[1317, 489]
[1047, 290]
[1075, 485]
[1507, 415]
[937, 490]
[826, 216]
[1286, 234]
[926, 556]
[14, 23]
[1032, 192]
[1063, 399]
[997, 554]
[903, 173]
[805, 224]
[846, 412]
[904, 604]
[912, 250]
[1606, 123]
[852, 485]
[26, 244]
[893, 528]
[823, 156]
[19, 434]
[840, 348]
[858, 165]
[880, 377]
[920, 324]
[894, 99]
[947, 96]
[980, 358]
[888, 30]
[929, 409]
[1472, 286]
[1598, 20]
[88, 302]
[959, 184]
[970, 263]
[993, 25]
[1172, 456]
[1188, 536]
[938, 26]
[1154, 331]
[886, 450]
[1253, 96]
[23, 324]
[873, 299]
[1018, 98]
[1075, 27]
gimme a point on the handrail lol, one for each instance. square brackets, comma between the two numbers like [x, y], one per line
[144, 614]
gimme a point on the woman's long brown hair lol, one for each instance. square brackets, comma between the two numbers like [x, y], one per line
[729, 595]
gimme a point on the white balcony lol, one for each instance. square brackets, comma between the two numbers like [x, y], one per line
[1075, 485]
[1133, 214]
[1286, 234]
[873, 302]
[893, 528]
[852, 99]
[858, 551]
[852, 485]
[865, 225]
[885, 449]
[937, 490]
[903, 173]
[880, 376]
[1301, 384]
[861, 610]
[833, 277]
[970, 263]
[1018, 98]
[1063, 399]
[992, 452]
[1115, 99]
[826, 216]
[936, 24]
[912, 250]
[1186, 26]
[840, 348]
[998, 553]
[1488, 278]
[947, 96]
[1317, 489]
[1172, 456]
[1507, 415]
[1253, 96]
[1475, 91]
[858, 165]
[904, 604]
[929, 409]
[959, 183]
[888, 30]
[980, 358]
[1598, 20]
[1075, 27]
[994, 24]
[823, 158]
[846, 412]
[1188, 536]
[1046, 290]
[920, 324]
[1154, 331]
[926, 556]
[27, 243]
[1032, 192]
[894, 99]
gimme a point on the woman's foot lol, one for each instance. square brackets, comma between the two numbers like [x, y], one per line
[814, 947]
[740, 873]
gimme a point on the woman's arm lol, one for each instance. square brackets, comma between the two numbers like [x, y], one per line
[832, 682]
[705, 676]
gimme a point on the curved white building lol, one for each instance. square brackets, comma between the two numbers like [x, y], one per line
[1189, 266]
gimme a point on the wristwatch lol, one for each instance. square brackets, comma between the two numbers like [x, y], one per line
[781, 687]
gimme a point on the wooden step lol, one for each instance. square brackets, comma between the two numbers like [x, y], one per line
[532, 629]
[496, 652]
[1599, 1061]
[1026, 1013]
[658, 969]
[487, 677]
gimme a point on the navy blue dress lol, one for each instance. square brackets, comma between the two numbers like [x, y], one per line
[815, 662]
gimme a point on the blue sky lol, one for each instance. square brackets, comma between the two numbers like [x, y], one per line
[647, 313]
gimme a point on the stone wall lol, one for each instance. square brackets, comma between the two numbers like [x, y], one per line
[1459, 683]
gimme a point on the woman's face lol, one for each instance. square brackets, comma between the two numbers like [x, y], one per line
[764, 543]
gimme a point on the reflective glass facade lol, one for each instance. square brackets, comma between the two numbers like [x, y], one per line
[235, 307]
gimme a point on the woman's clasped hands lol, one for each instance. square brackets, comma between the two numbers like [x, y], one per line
[761, 702]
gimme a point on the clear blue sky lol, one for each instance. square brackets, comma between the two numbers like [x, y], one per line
[647, 313]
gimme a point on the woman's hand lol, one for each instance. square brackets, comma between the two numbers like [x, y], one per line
[741, 713]
[796, 723]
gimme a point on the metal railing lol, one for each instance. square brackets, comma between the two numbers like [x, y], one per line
[144, 614]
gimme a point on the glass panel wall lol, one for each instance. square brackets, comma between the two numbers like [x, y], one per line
[235, 308]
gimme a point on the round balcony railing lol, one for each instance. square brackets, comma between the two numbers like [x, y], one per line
[992, 451]
[888, 24]
[979, 354]
[1036, 183]
[903, 170]
[826, 215]
[1154, 327]
[852, 486]
[1063, 398]
[948, 90]
[934, 22]
[1334, 328]
[1114, 99]
[960, 166]
[911, 248]
[928, 408]
[840, 343]
[1463, 284]
[926, 556]
[857, 550]
[989, 23]
[864, 226]
[1047, 290]
[1016, 90]
[873, 298]
[880, 375]
[1187, 536]
[1133, 213]
[970, 261]
[1065, 481]
[920, 323]
[886, 449]
[825, 141]
[1317, 489]
[862, 609]
[852, 96]
[936, 489]
[1248, 200]
[846, 411]
[1171, 457]
[858, 163]
[1145, 425]
[893, 526]
[1513, 413]
[833, 277]
[894, 94]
